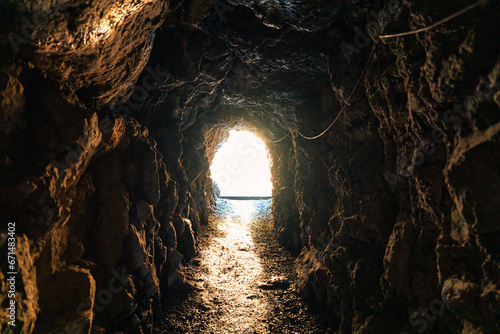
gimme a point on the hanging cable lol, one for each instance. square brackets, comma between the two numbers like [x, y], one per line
[432, 26]
[349, 99]
[277, 141]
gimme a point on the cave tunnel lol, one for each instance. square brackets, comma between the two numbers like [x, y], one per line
[381, 123]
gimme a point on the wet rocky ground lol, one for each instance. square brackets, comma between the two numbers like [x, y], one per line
[242, 280]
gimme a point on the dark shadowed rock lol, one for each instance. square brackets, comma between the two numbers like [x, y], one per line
[111, 113]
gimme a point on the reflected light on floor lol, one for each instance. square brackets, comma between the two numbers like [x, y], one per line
[245, 211]
[233, 268]
[241, 167]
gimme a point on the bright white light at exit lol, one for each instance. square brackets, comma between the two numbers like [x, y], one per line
[241, 166]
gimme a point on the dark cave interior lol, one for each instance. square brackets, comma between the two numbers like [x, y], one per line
[112, 112]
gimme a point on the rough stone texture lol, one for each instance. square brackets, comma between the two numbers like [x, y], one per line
[392, 213]
[94, 50]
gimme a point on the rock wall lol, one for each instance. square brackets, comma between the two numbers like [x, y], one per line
[102, 224]
[111, 115]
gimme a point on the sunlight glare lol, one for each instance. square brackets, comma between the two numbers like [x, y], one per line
[241, 166]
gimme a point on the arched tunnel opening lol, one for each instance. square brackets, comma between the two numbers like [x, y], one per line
[379, 209]
[241, 167]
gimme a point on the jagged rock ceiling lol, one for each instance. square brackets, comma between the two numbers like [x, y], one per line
[112, 110]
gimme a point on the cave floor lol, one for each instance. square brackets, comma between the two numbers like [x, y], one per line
[242, 280]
